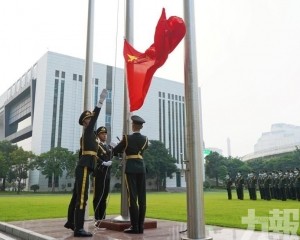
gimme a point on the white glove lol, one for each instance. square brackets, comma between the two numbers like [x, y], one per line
[107, 164]
[112, 144]
[102, 98]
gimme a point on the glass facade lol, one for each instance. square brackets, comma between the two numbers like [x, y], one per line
[172, 133]
[19, 110]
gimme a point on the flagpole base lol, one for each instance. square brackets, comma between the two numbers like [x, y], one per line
[205, 238]
[121, 219]
[121, 224]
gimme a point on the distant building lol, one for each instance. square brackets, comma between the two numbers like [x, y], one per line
[41, 110]
[282, 138]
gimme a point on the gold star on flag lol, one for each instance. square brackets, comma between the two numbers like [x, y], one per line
[131, 58]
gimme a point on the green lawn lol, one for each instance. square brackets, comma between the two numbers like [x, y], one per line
[171, 206]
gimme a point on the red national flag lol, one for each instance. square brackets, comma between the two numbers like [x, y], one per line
[140, 67]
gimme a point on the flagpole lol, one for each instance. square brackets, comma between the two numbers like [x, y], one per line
[87, 96]
[194, 135]
[89, 58]
[126, 114]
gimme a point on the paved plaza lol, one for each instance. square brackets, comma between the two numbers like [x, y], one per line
[166, 230]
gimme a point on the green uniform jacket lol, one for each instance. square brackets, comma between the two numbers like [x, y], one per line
[134, 146]
[88, 143]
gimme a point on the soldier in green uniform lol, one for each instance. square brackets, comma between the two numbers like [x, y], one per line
[228, 184]
[239, 183]
[135, 174]
[85, 165]
[252, 182]
[282, 185]
[291, 185]
[261, 185]
[102, 176]
[275, 185]
[267, 185]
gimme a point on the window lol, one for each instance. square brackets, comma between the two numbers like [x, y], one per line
[54, 113]
[56, 73]
[109, 94]
[96, 81]
[80, 78]
[56, 181]
[20, 110]
[23, 81]
[28, 75]
[61, 111]
[63, 74]
[74, 77]
[107, 120]
[96, 96]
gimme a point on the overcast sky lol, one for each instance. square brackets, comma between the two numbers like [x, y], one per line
[248, 54]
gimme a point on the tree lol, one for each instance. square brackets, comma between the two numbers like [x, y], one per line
[54, 162]
[283, 161]
[20, 161]
[235, 165]
[215, 166]
[117, 166]
[160, 164]
[6, 148]
[257, 165]
[70, 164]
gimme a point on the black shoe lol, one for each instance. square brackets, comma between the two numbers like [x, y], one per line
[82, 233]
[69, 225]
[132, 230]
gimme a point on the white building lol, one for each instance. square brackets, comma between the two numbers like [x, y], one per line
[281, 139]
[41, 110]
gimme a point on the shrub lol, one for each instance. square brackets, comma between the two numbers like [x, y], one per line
[34, 187]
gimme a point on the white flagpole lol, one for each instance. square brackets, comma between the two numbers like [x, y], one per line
[87, 97]
[126, 116]
[89, 58]
[194, 138]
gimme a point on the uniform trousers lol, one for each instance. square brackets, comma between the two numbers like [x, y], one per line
[252, 193]
[101, 191]
[81, 190]
[267, 193]
[240, 193]
[229, 195]
[136, 188]
[283, 193]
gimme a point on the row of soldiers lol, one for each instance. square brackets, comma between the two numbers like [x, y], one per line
[280, 185]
